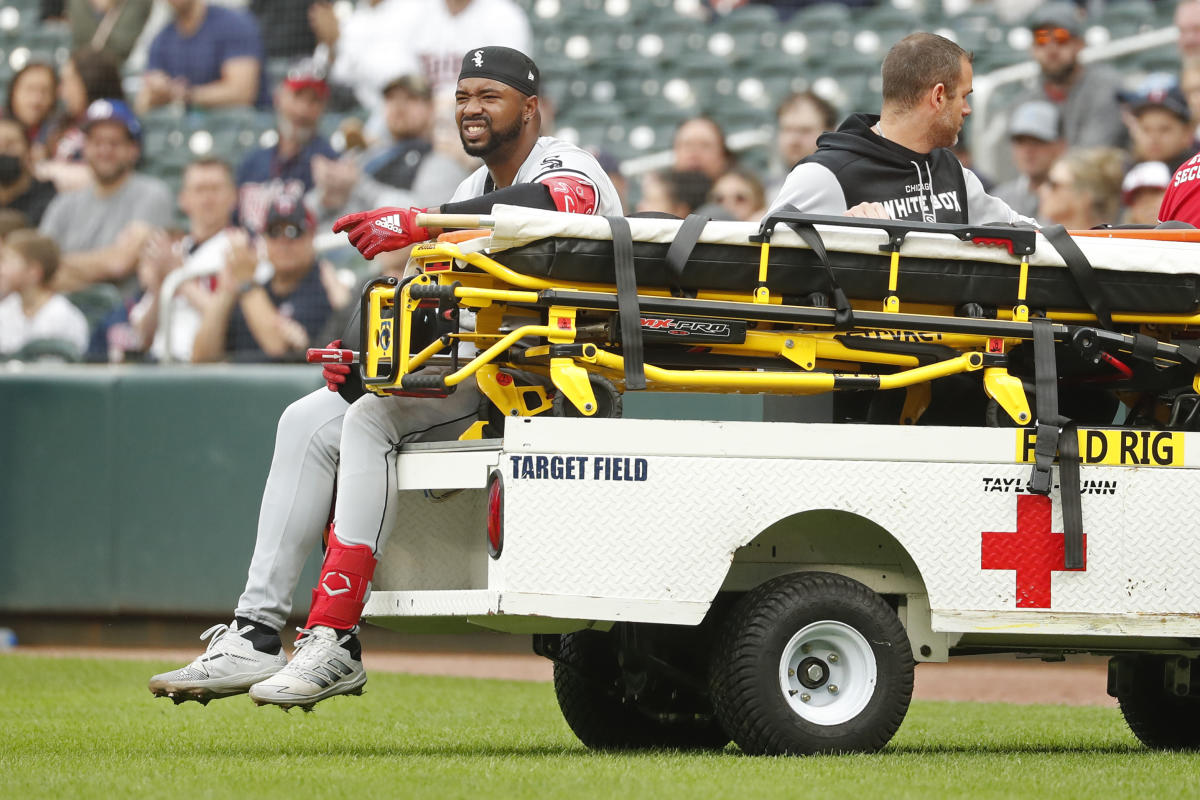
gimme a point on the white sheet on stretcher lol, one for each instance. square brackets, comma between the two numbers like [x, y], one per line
[516, 226]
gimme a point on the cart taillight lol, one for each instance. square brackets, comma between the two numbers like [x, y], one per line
[495, 515]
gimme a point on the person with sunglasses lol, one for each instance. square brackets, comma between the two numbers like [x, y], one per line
[1086, 96]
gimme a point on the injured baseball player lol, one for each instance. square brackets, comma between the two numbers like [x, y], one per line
[322, 438]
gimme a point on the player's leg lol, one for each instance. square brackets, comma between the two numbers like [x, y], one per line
[328, 657]
[294, 512]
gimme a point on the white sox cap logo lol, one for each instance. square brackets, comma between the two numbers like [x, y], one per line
[391, 222]
[335, 592]
[478, 58]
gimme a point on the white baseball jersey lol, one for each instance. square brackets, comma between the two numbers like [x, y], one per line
[553, 158]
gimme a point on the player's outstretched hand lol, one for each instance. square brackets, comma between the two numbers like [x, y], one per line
[382, 230]
[335, 374]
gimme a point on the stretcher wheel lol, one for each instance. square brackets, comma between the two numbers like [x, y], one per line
[608, 400]
[592, 694]
[811, 663]
[1158, 717]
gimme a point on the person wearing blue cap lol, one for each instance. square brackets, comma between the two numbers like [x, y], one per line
[102, 227]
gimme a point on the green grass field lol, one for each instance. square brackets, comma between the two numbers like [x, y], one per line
[83, 728]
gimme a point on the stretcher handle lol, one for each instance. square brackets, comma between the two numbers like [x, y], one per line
[1020, 241]
[330, 355]
[443, 221]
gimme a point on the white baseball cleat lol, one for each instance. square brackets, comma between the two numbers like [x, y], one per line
[323, 665]
[230, 665]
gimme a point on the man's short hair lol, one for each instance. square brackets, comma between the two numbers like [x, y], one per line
[828, 114]
[211, 161]
[916, 64]
[41, 250]
[688, 187]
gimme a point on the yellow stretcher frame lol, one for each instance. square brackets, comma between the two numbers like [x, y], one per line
[817, 357]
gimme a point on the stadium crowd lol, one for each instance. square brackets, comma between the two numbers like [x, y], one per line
[362, 116]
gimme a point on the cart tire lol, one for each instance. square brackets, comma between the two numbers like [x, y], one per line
[587, 684]
[1158, 719]
[812, 662]
[608, 401]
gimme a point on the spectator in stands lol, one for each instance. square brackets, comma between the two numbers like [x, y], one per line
[741, 193]
[31, 98]
[800, 119]
[102, 227]
[1086, 96]
[1187, 19]
[401, 171]
[207, 198]
[699, 145]
[209, 56]
[1189, 84]
[449, 28]
[1161, 125]
[276, 320]
[1037, 142]
[1142, 192]
[31, 310]
[110, 25]
[87, 76]
[360, 59]
[1083, 189]
[364, 61]
[19, 189]
[286, 29]
[674, 192]
[285, 168]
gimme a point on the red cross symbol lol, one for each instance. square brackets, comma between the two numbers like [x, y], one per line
[1032, 550]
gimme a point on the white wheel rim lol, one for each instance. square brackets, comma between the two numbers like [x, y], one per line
[827, 673]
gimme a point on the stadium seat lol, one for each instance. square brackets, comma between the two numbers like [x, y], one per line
[96, 302]
[47, 351]
[1126, 18]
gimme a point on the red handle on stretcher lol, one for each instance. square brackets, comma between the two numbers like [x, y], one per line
[330, 355]
[995, 242]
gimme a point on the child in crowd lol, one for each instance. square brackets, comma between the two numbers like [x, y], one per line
[31, 310]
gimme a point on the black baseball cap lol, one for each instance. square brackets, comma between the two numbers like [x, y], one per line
[288, 217]
[502, 64]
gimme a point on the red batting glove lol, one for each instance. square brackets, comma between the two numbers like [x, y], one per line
[335, 374]
[382, 230]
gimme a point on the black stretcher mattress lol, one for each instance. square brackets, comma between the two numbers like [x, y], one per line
[796, 272]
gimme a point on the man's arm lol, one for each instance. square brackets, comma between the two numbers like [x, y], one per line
[811, 189]
[238, 85]
[209, 344]
[983, 207]
[112, 263]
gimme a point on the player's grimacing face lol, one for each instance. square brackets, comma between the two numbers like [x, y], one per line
[488, 114]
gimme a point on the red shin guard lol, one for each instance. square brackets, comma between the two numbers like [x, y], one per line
[337, 602]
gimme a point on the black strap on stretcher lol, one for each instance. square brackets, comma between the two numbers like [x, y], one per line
[1056, 436]
[843, 314]
[1081, 271]
[681, 250]
[805, 227]
[627, 303]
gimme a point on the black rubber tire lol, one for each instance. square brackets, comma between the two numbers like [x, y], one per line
[1158, 719]
[608, 401]
[746, 694]
[587, 685]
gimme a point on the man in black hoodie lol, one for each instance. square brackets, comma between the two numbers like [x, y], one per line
[898, 165]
